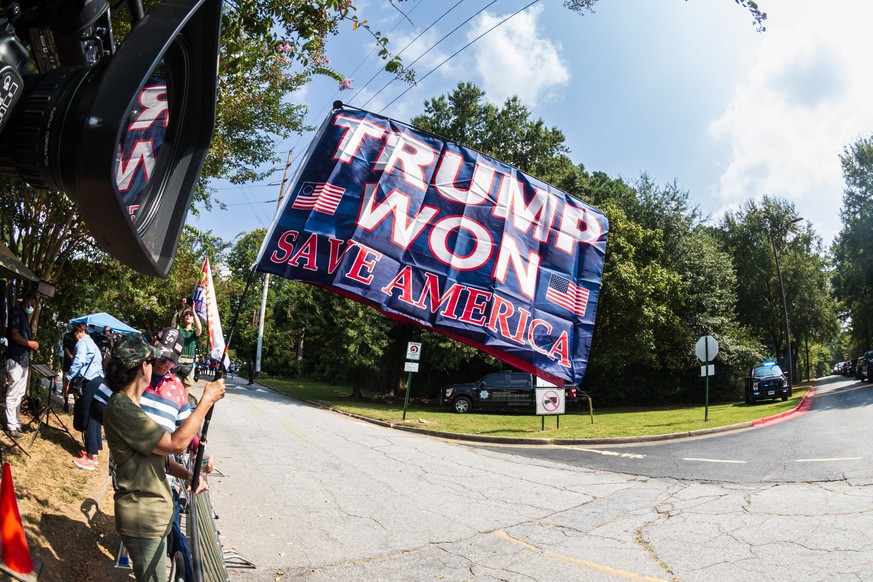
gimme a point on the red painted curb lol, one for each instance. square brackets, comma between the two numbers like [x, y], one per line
[802, 407]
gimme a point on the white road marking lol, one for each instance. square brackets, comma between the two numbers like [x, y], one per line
[715, 461]
[613, 454]
[828, 460]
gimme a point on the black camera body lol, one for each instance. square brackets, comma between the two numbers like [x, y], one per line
[123, 130]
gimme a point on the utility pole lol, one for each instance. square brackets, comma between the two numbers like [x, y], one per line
[267, 275]
[784, 302]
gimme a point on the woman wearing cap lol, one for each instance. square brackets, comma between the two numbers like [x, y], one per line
[139, 446]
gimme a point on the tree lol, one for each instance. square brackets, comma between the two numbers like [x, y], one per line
[653, 297]
[745, 235]
[853, 247]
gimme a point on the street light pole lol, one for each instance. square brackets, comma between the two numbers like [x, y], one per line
[260, 346]
[784, 305]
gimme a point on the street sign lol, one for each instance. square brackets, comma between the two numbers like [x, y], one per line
[411, 367]
[708, 370]
[413, 351]
[706, 346]
[550, 401]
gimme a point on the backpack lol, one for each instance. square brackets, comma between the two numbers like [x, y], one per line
[80, 415]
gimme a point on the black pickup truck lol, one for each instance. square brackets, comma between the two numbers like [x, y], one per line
[503, 391]
[767, 382]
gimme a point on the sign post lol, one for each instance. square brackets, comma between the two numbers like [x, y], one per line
[413, 352]
[706, 349]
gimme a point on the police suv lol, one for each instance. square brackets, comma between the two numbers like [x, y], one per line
[502, 391]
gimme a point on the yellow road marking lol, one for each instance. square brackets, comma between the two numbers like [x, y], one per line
[583, 563]
[297, 434]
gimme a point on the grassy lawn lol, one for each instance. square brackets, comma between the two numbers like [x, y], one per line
[611, 422]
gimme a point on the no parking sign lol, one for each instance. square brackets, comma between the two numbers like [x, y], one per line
[550, 401]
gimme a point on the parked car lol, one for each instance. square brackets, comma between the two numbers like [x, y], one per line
[852, 367]
[767, 382]
[860, 368]
[867, 363]
[503, 391]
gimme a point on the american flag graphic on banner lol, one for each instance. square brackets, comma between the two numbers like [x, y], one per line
[567, 294]
[319, 196]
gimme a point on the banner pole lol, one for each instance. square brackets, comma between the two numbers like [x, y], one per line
[219, 374]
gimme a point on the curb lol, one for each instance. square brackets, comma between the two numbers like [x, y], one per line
[801, 408]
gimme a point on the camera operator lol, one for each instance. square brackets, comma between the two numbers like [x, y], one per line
[18, 360]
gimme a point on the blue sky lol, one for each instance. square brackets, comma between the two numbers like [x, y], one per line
[679, 90]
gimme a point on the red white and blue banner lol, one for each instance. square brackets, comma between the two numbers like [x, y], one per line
[440, 235]
[206, 306]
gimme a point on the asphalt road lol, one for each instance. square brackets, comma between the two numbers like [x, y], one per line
[832, 441]
[308, 494]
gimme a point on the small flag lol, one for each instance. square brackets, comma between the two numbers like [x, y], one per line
[319, 196]
[206, 289]
[567, 294]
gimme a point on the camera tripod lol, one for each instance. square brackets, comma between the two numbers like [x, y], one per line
[42, 416]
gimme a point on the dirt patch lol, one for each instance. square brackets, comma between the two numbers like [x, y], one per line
[66, 511]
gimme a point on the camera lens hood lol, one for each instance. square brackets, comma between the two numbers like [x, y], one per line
[68, 132]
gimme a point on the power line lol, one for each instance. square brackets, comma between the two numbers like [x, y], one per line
[364, 60]
[250, 203]
[457, 52]
[434, 23]
[246, 186]
[430, 49]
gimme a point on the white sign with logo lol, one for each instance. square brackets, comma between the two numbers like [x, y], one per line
[413, 351]
[550, 401]
[411, 367]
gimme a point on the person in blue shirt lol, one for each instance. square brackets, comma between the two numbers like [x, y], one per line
[88, 363]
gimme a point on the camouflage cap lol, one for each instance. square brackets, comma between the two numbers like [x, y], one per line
[133, 349]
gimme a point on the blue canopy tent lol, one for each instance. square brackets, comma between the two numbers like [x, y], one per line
[104, 320]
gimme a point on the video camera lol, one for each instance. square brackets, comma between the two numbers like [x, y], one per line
[122, 130]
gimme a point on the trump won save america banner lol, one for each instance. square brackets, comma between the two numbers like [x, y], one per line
[440, 235]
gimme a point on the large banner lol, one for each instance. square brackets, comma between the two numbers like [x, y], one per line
[443, 236]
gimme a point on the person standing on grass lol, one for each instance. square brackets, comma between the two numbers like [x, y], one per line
[68, 344]
[18, 360]
[88, 363]
[140, 448]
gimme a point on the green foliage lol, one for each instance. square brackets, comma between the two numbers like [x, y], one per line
[667, 281]
[853, 248]
[746, 236]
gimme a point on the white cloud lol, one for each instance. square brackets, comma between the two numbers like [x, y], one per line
[803, 101]
[513, 59]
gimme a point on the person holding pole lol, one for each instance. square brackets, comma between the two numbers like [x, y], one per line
[140, 449]
[190, 328]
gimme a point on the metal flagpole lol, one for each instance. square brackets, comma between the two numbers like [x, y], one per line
[267, 277]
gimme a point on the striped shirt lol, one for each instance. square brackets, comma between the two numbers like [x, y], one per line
[163, 401]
